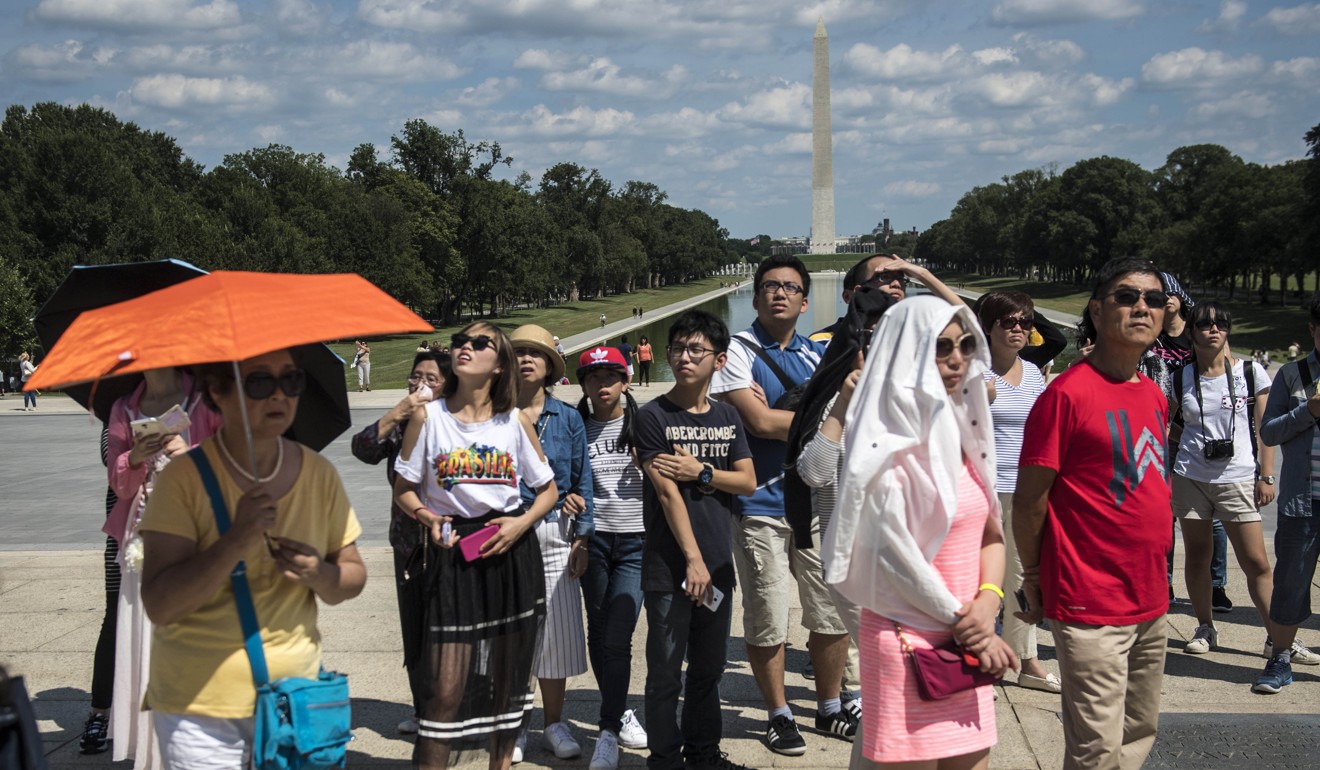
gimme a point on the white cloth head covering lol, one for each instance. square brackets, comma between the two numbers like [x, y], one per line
[906, 437]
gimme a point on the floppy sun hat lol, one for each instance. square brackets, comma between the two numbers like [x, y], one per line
[542, 341]
[601, 358]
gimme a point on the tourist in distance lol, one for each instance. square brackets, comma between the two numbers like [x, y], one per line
[464, 455]
[644, 358]
[629, 354]
[561, 534]
[1090, 515]
[916, 540]
[612, 584]
[362, 362]
[382, 440]
[695, 457]
[26, 369]
[294, 529]
[1292, 414]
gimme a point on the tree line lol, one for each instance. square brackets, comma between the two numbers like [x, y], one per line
[1205, 215]
[424, 219]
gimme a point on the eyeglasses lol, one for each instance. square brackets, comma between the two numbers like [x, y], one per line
[790, 288]
[1008, 323]
[1129, 297]
[478, 341]
[432, 380]
[694, 352]
[260, 386]
[1205, 324]
[966, 345]
[885, 277]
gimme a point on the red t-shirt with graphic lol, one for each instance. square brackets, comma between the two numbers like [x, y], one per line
[1107, 534]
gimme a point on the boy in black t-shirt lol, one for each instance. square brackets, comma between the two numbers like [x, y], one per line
[694, 453]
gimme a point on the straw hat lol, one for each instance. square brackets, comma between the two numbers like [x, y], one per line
[542, 341]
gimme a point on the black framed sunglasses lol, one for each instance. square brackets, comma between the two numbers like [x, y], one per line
[1205, 324]
[966, 345]
[478, 341]
[260, 386]
[884, 278]
[1129, 297]
[1008, 323]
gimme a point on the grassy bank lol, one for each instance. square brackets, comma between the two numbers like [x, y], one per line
[391, 357]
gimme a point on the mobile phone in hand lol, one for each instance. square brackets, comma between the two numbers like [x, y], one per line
[1021, 597]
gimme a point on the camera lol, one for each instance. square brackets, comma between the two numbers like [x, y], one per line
[1219, 449]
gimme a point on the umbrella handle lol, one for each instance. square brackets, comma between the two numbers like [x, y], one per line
[247, 426]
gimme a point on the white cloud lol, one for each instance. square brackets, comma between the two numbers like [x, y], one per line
[1197, 68]
[137, 14]
[1231, 13]
[384, 59]
[300, 17]
[446, 120]
[179, 92]
[910, 188]
[420, 15]
[578, 121]
[67, 61]
[604, 76]
[1064, 11]
[1301, 68]
[787, 107]
[1001, 146]
[1298, 20]
[687, 122]
[795, 143]
[541, 59]
[902, 62]
[990, 56]
[1243, 104]
[1049, 52]
[489, 91]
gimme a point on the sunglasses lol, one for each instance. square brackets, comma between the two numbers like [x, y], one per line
[1008, 323]
[1129, 297]
[966, 345]
[1206, 324]
[260, 386]
[884, 278]
[478, 341]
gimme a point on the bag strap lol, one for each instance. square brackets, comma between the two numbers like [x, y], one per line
[247, 613]
[1304, 374]
[1177, 418]
[1249, 372]
[775, 369]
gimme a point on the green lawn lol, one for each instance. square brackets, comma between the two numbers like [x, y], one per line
[391, 357]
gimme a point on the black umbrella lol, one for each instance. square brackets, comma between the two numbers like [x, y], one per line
[88, 287]
[323, 408]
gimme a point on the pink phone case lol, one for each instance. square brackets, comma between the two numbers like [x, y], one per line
[471, 544]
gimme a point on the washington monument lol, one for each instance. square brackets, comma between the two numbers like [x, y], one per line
[822, 147]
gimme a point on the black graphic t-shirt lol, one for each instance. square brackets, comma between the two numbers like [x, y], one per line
[1166, 356]
[716, 437]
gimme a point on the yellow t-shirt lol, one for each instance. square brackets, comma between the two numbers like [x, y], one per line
[199, 665]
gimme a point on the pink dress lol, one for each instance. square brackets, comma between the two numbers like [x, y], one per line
[898, 725]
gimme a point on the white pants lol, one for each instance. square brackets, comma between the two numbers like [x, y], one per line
[190, 742]
[364, 374]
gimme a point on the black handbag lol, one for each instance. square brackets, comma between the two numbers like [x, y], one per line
[20, 741]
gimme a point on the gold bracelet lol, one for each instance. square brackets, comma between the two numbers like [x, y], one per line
[992, 588]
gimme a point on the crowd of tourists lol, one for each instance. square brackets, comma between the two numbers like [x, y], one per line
[905, 469]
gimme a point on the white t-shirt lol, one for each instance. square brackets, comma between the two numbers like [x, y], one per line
[469, 470]
[1219, 410]
[617, 479]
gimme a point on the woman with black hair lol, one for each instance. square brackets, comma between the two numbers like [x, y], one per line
[613, 581]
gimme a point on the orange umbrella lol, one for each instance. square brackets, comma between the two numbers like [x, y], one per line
[222, 316]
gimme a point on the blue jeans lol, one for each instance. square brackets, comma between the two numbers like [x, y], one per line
[1296, 550]
[612, 587]
[679, 628]
[30, 399]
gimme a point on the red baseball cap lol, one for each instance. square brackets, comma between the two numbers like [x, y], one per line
[600, 358]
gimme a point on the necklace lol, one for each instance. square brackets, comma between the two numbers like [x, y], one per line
[279, 463]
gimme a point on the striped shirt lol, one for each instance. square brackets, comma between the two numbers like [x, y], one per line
[617, 478]
[1009, 413]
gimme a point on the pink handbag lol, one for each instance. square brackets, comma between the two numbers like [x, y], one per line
[942, 671]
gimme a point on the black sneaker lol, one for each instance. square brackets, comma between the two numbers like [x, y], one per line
[96, 734]
[784, 738]
[853, 706]
[840, 723]
[809, 672]
[1219, 601]
[716, 760]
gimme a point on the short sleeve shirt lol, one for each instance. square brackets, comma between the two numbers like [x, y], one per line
[1225, 417]
[199, 665]
[716, 437]
[1107, 532]
[745, 367]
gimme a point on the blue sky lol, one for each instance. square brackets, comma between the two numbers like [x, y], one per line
[709, 99]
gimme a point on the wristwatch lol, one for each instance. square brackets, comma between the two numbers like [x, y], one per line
[705, 478]
[1267, 479]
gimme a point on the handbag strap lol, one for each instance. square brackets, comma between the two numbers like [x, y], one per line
[903, 640]
[247, 612]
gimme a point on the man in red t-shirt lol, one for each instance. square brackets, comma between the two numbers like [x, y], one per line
[1092, 532]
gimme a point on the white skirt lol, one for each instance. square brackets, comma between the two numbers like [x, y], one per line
[564, 642]
[130, 727]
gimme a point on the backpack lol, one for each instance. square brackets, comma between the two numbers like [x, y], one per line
[1249, 372]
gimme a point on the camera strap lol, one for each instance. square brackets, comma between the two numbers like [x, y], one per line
[1232, 399]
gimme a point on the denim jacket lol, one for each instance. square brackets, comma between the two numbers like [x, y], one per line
[564, 441]
[1288, 423]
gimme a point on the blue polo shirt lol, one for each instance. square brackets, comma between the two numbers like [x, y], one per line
[798, 360]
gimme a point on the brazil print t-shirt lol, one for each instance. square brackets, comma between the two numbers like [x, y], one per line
[469, 469]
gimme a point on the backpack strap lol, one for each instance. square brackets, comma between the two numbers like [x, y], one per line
[247, 612]
[1304, 374]
[1177, 417]
[1249, 371]
[775, 369]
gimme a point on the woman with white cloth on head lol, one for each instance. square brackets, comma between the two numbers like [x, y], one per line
[916, 538]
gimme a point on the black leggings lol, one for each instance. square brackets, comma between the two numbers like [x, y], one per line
[103, 663]
[644, 373]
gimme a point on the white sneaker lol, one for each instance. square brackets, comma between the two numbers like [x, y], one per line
[1203, 640]
[408, 726]
[632, 735]
[607, 752]
[1300, 653]
[519, 745]
[559, 739]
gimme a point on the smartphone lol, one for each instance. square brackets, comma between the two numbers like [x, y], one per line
[714, 597]
[470, 545]
[147, 426]
[175, 420]
[1021, 597]
[425, 392]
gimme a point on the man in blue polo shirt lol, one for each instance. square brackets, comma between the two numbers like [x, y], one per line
[764, 552]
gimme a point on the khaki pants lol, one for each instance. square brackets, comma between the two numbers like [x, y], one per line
[1019, 636]
[1111, 692]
